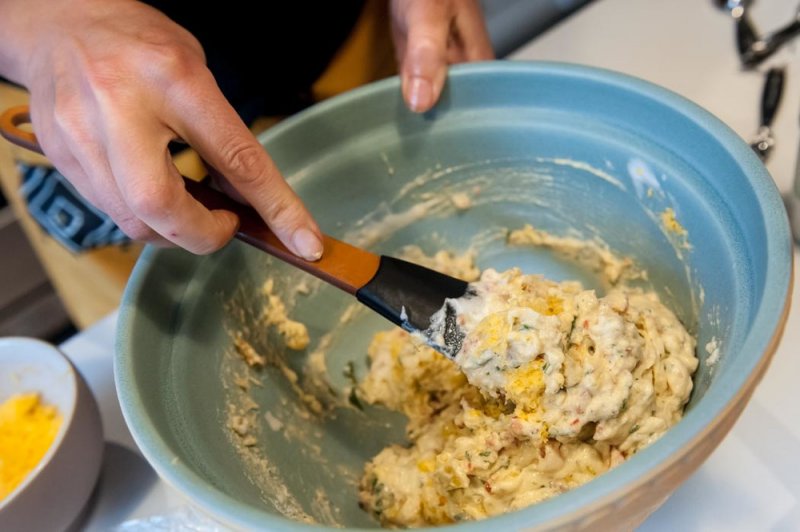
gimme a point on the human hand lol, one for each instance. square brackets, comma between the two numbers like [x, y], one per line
[112, 82]
[428, 36]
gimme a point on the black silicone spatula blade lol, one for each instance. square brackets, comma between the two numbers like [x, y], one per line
[408, 295]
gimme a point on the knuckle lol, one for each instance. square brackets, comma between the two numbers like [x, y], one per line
[148, 200]
[171, 62]
[242, 160]
[282, 211]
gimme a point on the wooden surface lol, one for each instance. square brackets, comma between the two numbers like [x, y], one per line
[29, 305]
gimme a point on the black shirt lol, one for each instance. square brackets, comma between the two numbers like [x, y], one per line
[266, 64]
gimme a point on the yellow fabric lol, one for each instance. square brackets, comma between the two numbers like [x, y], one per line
[366, 56]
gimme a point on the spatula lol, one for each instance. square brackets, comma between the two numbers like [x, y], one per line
[405, 293]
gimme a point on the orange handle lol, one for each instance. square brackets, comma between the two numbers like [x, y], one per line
[342, 265]
[10, 121]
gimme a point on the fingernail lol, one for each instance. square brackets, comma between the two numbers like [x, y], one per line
[420, 95]
[307, 244]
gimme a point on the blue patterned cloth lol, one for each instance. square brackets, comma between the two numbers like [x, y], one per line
[63, 213]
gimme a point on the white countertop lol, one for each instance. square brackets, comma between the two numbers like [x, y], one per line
[752, 481]
[686, 46]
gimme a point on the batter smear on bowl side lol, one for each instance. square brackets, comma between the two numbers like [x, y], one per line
[553, 385]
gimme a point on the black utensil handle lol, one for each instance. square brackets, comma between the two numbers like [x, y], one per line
[753, 55]
[746, 37]
[771, 97]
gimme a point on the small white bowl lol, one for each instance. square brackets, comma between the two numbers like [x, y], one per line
[55, 491]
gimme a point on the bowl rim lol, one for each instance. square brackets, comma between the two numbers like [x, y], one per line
[770, 316]
[44, 350]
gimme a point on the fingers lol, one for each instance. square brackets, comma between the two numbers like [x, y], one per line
[152, 188]
[75, 155]
[139, 189]
[225, 143]
[424, 62]
[428, 36]
[100, 85]
[473, 37]
[106, 196]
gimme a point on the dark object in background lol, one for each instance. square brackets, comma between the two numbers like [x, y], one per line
[762, 47]
[753, 47]
[512, 23]
[266, 65]
[265, 57]
[774, 82]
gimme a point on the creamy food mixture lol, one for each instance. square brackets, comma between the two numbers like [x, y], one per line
[553, 385]
[600, 378]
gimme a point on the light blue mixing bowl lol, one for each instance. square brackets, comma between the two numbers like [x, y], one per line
[569, 149]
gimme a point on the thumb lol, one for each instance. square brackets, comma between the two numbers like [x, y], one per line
[424, 67]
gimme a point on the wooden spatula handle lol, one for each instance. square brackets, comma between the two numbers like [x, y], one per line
[342, 265]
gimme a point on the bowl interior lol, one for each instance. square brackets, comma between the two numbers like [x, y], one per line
[574, 151]
[28, 365]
